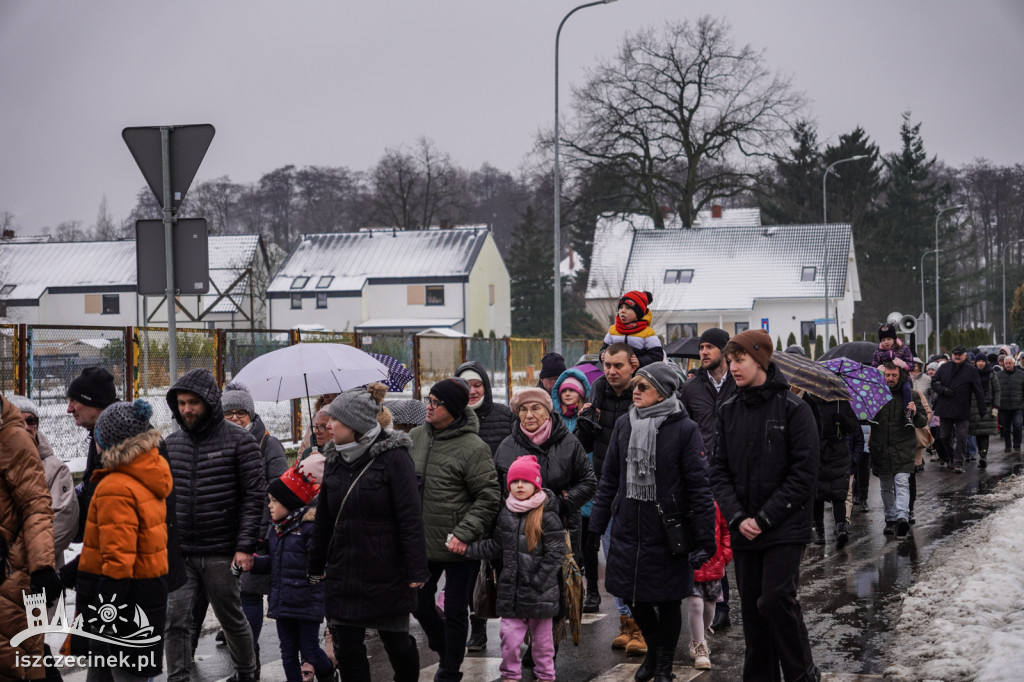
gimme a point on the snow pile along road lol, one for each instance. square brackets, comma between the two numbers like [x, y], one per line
[965, 619]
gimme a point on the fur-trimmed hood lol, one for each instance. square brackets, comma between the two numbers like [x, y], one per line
[140, 458]
[310, 515]
[387, 440]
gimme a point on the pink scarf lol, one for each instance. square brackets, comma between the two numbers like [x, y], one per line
[532, 502]
[540, 436]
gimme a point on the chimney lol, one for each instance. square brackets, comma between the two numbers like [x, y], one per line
[8, 234]
[716, 210]
[666, 211]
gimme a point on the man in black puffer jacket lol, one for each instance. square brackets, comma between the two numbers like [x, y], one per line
[764, 472]
[221, 490]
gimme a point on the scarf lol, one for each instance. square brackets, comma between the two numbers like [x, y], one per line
[540, 436]
[531, 502]
[569, 410]
[350, 452]
[627, 328]
[640, 454]
[284, 525]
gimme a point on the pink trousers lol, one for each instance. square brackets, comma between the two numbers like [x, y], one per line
[513, 633]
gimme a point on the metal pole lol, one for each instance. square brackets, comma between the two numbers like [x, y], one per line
[172, 340]
[923, 309]
[558, 191]
[824, 211]
[938, 326]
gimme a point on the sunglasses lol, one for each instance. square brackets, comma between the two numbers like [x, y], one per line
[236, 414]
[642, 386]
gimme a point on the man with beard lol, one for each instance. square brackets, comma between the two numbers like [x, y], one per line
[701, 396]
[221, 488]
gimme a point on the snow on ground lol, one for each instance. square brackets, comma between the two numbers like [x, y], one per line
[964, 620]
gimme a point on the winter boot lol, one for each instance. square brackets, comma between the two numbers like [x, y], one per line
[890, 528]
[663, 665]
[646, 671]
[636, 646]
[982, 459]
[819, 535]
[702, 655]
[592, 602]
[902, 528]
[626, 626]
[478, 635]
[842, 534]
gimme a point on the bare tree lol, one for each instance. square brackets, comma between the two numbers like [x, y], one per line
[106, 228]
[217, 201]
[70, 231]
[683, 116]
[413, 189]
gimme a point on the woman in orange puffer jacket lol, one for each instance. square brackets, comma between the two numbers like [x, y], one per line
[707, 591]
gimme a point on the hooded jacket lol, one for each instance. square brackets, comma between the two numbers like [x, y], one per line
[765, 463]
[458, 484]
[565, 468]
[124, 551]
[275, 463]
[892, 445]
[528, 584]
[556, 400]
[62, 492]
[701, 400]
[378, 546]
[26, 526]
[495, 418]
[285, 565]
[218, 475]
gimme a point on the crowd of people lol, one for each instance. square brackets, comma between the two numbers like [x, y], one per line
[671, 477]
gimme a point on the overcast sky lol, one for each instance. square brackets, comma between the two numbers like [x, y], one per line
[336, 83]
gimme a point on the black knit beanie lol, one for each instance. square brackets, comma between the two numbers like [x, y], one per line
[886, 331]
[551, 365]
[453, 394]
[93, 387]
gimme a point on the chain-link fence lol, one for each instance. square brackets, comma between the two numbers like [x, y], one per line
[493, 355]
[8, 358]
[524, 362]
[196, 349]
[239, 348]
[439, 357]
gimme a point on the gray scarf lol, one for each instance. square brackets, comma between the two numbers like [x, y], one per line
[640, 455]
[350, 452]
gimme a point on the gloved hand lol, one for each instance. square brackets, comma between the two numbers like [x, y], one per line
[314, 579]
[698, 558]
[46, 579]
[69, 573]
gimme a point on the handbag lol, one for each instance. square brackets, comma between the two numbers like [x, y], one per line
[679, 531]
[485, 592]
[571, 584]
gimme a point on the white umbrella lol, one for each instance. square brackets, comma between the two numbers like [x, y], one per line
[309, 369]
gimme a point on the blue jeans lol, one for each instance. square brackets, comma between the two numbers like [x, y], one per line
[301, 635]
[620, 604]
[895, 490]
[1011, 422]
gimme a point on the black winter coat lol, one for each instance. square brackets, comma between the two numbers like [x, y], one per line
[218, 476]
[379, 547]
[892, 446]
[564, 468]
[275, 462]
[528, 585]
[291, 595]
[606, 408]
[495, 418]
[701, 401]
[765, 463]
[1011, 385]
[835, 421]
[954, 385]
[639, 565]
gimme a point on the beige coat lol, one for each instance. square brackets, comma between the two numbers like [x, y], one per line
[62, 492]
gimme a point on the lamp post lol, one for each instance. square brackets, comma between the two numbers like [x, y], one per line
[557, 183]
[926, 353]
[1003, 254]
[938, 344]
[824, 211]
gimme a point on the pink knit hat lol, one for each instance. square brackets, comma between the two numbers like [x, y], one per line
[525, 468]
[574, 384]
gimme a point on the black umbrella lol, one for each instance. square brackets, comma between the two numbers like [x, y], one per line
[684, 348]
[858, 351]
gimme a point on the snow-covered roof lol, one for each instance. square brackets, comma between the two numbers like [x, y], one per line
[731, 217]
[409, 323]
[729, 269]
[344, 261]
[33, 268]
[612, 238]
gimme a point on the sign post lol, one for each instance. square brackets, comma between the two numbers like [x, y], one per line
[153, 148]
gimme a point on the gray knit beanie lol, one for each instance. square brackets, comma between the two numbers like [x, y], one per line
[357, 408]
[236, 397]
[121, 421]
[24, 404]
[663, 377]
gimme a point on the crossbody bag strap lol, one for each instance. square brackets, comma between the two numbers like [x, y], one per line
[337, 519]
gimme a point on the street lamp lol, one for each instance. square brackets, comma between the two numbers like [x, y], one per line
[926, 353]
[1004, 249]
[824, 211]
[938, 344]
[557, 182]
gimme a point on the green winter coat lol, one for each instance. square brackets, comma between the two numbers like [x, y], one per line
[892, 444]
[986, 424]
[458, 484]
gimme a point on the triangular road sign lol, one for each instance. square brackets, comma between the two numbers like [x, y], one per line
[188, 145]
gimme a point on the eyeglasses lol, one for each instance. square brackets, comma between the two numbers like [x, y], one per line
[433, 402]
[32, 421]
[642, 387]
[532, 408]
[319, 428]
[236, 414]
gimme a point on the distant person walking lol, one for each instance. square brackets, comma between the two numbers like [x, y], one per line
[955, 383]
[1011, 404]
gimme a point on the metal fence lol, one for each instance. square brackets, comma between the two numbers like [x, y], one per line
[40, 361]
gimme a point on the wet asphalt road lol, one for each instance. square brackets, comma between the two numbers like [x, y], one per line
[851, 598]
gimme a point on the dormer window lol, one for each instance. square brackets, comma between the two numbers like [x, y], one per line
[324, 281]
[678, 276]
[808, 273]
[299, 282]
[7, 288]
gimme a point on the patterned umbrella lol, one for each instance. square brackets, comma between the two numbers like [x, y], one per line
[868, 390]
[804, 373]
[398, 374]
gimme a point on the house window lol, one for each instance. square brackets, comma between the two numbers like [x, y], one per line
[741, 327]
[808, 273]
[7, 288]
[808, 330]
[299, 282]
[677, 331]
[111, 304]
[690, 329]
[435, 295]
[324, 282]
[296, 301]
[321, 300]
[678, 276]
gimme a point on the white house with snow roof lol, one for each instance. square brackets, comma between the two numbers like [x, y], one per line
[730, 276]
[384, 280]
[93, 283]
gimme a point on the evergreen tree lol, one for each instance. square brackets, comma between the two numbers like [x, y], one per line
[529, 265]
[794, 189]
